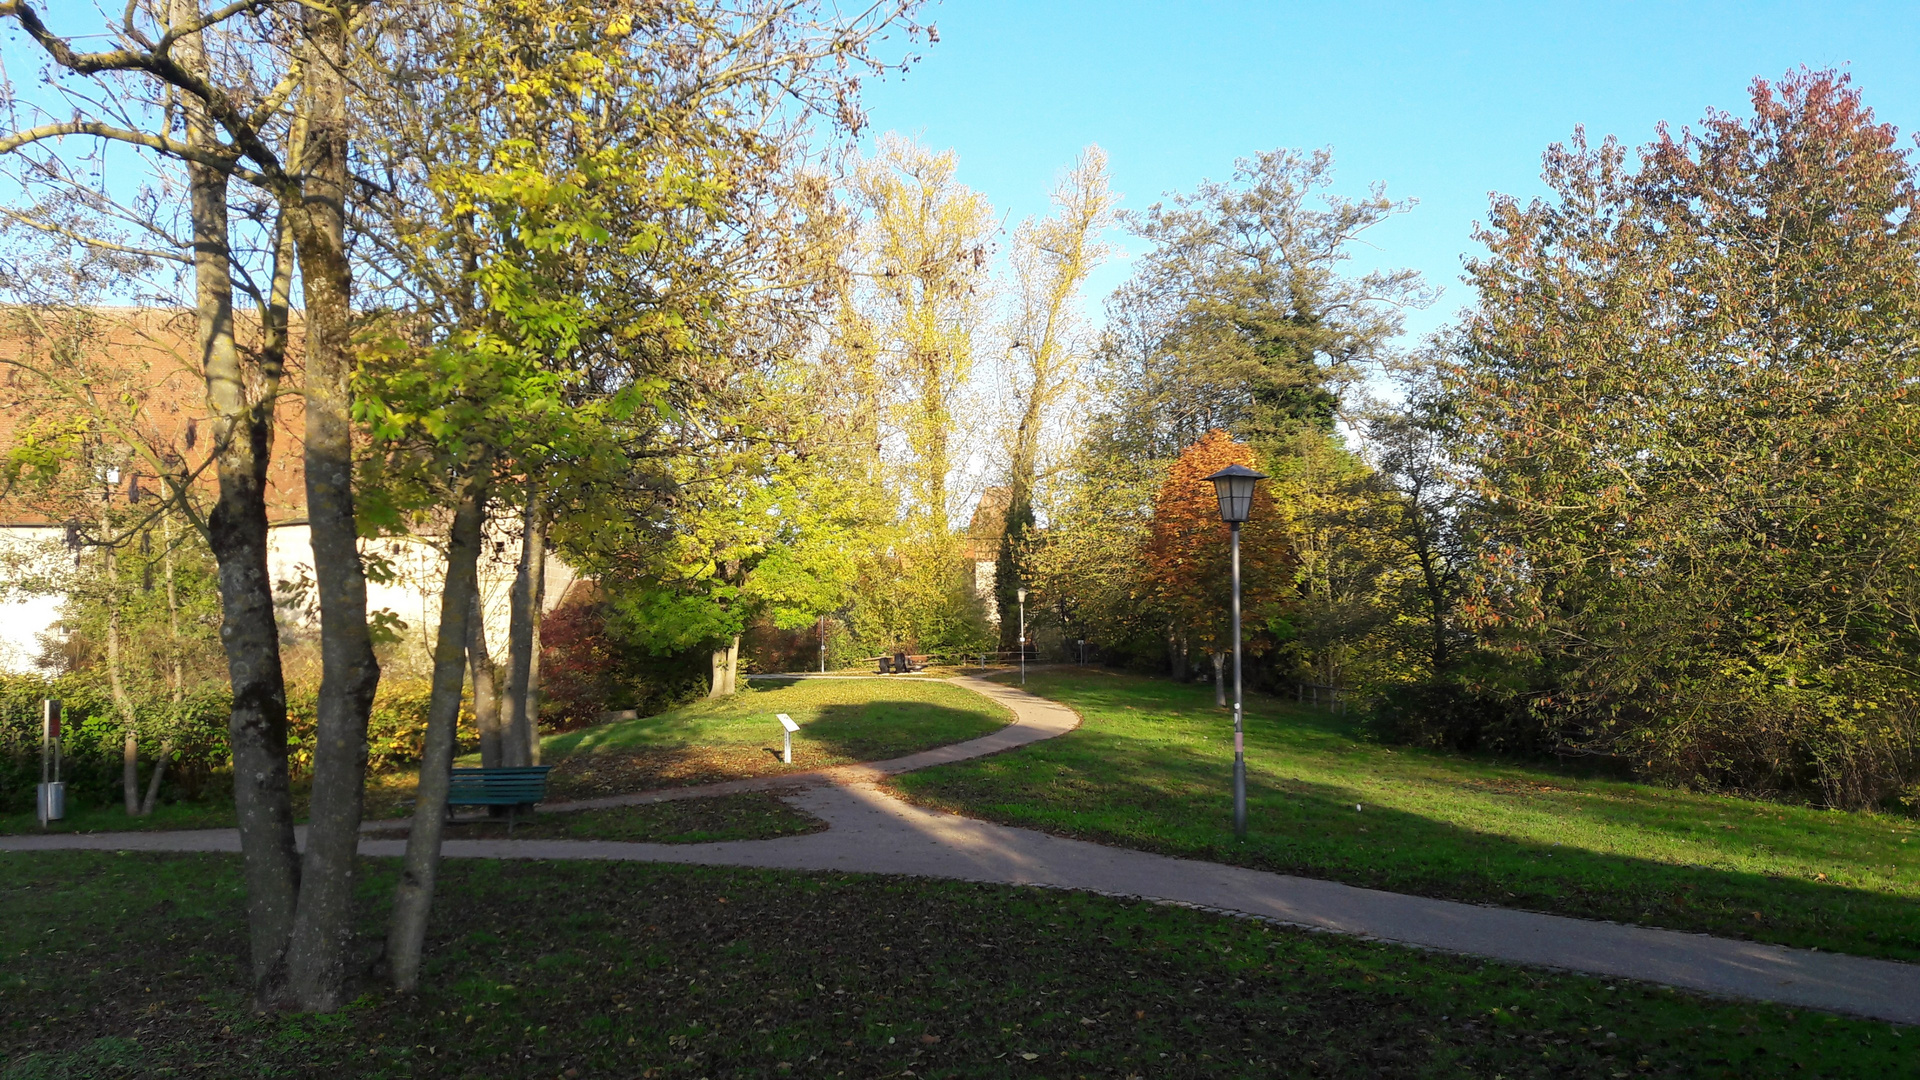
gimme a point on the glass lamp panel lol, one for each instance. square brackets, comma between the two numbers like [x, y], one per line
[1236, 497]
[1233, 486]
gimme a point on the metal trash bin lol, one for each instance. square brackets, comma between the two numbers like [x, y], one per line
[50, 801]
[50, 795]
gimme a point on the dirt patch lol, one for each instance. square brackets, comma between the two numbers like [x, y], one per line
[615, 772]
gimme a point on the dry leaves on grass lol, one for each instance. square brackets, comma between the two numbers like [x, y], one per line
[613, 772]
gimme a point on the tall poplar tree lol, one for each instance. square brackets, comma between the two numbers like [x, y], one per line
[1048, 342]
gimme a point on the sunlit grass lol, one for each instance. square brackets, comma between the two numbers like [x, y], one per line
[841, 720]
[1150, 768]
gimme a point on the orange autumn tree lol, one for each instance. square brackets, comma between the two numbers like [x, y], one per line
[1187, 576]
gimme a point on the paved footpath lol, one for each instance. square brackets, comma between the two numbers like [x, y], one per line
[873, 832]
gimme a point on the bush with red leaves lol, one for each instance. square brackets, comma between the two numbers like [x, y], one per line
[580, 667]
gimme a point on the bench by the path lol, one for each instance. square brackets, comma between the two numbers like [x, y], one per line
[510, 786]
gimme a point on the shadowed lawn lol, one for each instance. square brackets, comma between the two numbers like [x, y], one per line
[128, 965]
[388, 794]
[1151, 764]
[842, 721]
[113, 818]
[754, 815]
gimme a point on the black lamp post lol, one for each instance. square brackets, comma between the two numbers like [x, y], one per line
[1234, 486]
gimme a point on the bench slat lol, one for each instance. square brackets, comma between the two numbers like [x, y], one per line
[507, 786]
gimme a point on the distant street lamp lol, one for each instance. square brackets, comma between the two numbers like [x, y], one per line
[1234, 487]
[1022, 594]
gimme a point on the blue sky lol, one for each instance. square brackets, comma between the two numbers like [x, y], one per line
[1443, 102]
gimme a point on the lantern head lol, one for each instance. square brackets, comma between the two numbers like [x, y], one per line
[1234, 487]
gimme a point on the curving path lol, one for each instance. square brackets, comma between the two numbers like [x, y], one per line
[871, 831]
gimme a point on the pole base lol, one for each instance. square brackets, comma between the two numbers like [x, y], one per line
[1239, 797]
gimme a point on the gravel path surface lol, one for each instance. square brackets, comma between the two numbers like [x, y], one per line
[870, 831]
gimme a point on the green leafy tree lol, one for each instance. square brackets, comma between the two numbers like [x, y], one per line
[1239, 317]
[1683, 395]
[778, 539]
[584, 237]
[1242, 317]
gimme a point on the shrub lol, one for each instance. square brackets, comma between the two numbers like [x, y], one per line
[1457, 718]
[396, 726]
[92, 734]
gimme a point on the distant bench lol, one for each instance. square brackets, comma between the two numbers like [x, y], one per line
[901, 663]
[513, 788]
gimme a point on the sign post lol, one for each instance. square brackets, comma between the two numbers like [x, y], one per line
[50, 799]
[786, 754]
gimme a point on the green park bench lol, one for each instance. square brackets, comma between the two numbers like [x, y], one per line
[512, 788]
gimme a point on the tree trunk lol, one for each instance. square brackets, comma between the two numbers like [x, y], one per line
[130, 742]
[533, 654]
[486, 697]
[159, 772]
[1220, 679]
[520, 619]
[173, 610]
[726, 666]
[178, 673]
[413, 898]
[316, 952]
[237, 534]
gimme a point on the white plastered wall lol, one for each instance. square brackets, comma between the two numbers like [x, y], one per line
[418, 572]
[24, 618]
[413, 595]
[983, 573]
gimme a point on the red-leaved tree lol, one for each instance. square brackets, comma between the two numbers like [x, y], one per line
[1188, 578]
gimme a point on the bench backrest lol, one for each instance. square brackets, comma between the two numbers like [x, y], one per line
[519, 784]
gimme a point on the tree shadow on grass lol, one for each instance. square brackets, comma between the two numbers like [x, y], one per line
[1173, 798]
[1314, 830]
[836, 735]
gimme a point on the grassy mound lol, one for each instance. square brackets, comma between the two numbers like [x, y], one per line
[842, 721]
[1150, 766]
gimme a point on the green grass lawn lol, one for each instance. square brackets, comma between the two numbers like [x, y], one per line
[126, 965]
[753, 815]
[1150, 768]
[841, 722]
[113, 818]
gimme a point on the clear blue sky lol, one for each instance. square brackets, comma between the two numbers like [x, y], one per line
[1443, 102]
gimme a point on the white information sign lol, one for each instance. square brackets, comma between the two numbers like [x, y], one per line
[787, 722]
